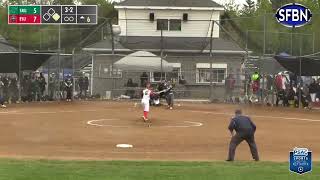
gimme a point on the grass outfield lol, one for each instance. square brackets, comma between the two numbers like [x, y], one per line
[116, 170]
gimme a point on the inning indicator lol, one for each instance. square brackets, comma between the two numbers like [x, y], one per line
[52, 14]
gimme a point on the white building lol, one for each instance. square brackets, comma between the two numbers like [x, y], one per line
[181, 30]
[180, 18]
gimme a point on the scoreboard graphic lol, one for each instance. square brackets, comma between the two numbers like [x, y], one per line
[52, 14]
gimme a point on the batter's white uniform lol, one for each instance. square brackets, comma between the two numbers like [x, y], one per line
[145, 99]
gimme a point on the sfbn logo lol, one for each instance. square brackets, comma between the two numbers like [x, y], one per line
[293, 15]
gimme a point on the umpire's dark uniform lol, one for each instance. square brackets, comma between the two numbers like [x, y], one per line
[245, 130]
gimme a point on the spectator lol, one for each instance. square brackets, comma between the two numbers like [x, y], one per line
[255, 85]
[13, 90]
[144, 79]
[290, 94]
[52, 86]
[68, 87]
[293, 79]
[1, 93]
[269, 82]
[318, 90]
[303, 91]
[129, 91]
[85, 85]
[29, 88]
[42, 85]
[5, 81]
[313, 88]
[280, 88]
[229, 88]
[81, 86]
[35, 88]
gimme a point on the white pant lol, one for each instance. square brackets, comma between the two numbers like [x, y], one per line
[146, 106]
[313, 97]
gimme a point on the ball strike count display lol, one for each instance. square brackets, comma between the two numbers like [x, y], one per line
[52, 14]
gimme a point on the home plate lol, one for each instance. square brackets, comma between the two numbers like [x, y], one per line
[124, 146]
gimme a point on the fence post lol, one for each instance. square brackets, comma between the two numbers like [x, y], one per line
[300, 69]
[73, 72]
[91, 84]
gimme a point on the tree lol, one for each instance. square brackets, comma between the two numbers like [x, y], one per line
[248, 8]
[105, 7]
[278, 3]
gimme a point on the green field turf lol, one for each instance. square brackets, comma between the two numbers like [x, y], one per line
[116, 170]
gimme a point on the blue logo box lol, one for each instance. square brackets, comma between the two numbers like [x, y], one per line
[300, 160]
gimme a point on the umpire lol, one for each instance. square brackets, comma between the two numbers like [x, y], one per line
[245, 130]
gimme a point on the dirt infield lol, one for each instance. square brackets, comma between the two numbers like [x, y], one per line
[91, 130]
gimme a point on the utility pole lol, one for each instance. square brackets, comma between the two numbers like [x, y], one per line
[20, 68]
[211, 59]
[112, 51]
[292, 41]
[264, 33]
[161, 52]
[59, 60]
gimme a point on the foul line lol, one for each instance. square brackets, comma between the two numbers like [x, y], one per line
[46, 112]
[258, 116]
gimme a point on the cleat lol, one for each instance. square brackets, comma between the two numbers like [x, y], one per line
[171, 108]
[3, 106]
[144, 119]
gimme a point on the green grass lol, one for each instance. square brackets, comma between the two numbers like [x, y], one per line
[127, 170]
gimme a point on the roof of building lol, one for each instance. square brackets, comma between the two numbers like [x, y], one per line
[5, 46]
[222, 44]
[170, 3]
[105, 45]
[170, 44]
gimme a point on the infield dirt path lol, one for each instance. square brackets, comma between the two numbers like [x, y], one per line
[189, 132]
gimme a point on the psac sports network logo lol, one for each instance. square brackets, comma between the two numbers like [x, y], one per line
[300, 160]
[293, 15]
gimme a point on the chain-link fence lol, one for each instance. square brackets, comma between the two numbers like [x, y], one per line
[213, 60]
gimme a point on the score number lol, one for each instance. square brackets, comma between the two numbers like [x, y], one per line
[68, 10]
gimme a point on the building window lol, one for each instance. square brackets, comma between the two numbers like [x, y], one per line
[162, 24]
[169, 25]
[175, 24]
[173, 76]
[111, 72]
[219, 72]
[156, 76]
